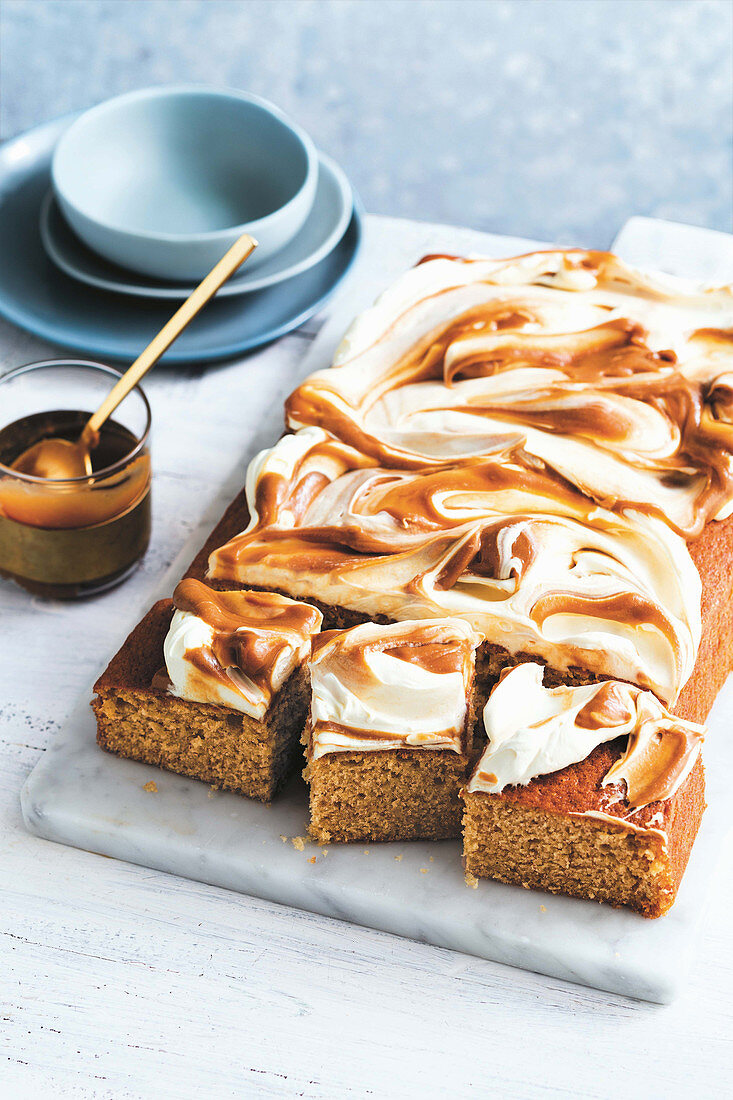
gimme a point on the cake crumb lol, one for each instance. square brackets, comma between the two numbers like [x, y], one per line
[324, 852]
[423, 870]
[151, 786]
[470, 880]
[543, 909]
[283, 838]
[366, 851]
[312, 859]
[211, 792]
[299, 842]
[432, 859]
[398, 859]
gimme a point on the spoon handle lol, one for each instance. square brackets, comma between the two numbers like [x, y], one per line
[206, 290]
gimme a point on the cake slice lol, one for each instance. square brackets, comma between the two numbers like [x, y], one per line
[211, 685]
[389, 733]
[594, 791]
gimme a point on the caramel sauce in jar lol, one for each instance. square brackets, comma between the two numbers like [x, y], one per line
[71, 538]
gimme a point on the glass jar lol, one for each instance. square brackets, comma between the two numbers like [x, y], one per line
[66, 538]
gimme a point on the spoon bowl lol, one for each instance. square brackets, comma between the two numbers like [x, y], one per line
[55, 460]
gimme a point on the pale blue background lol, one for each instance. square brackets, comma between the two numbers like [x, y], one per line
[550, 118]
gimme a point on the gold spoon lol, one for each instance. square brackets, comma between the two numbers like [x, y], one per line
[61, 459]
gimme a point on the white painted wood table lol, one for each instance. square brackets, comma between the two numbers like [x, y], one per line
[120, 981]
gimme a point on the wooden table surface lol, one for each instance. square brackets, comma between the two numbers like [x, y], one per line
[120, 981]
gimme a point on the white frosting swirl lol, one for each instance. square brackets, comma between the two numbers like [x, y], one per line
[242, 660]
[533, 731]
[531, 565]
[601, 372]
[392, 687]
[188, 633]
[434, 465]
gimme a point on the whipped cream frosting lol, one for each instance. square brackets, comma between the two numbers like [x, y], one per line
[235, 649]
[619, 381]
[533, 730]
[528, 561]
[526, 444]
[400, 686]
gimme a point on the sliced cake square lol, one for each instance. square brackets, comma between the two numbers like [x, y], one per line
[211, 685]
[389, 734]
[595, 791]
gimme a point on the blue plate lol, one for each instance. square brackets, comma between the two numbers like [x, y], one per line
[38, 297]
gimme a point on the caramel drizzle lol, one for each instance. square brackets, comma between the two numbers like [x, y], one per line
[658, 757]
[437, 739]
[428, 647]
[408, 498]
[607, 708]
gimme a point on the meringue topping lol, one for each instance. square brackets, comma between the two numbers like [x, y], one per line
[533, 730]
[235, 649]
[405, 685]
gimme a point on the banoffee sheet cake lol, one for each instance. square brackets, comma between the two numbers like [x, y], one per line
[538, 451]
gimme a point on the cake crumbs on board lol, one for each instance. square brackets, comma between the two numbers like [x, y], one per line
[470, 880]
[151, 786]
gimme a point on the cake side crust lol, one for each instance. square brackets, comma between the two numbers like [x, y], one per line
[387, 795]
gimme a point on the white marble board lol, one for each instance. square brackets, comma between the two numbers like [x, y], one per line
[80, 796]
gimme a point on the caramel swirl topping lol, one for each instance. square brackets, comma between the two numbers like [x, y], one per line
[404, 685]
[519, 553]
[235, 648]
[614, 380]
[658, 754]
[533, 730]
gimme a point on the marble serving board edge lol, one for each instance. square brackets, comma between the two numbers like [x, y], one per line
[80, 796]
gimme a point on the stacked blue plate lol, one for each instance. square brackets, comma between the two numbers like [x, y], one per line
[55, 286]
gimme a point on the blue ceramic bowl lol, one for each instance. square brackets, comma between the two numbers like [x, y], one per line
[163, 180]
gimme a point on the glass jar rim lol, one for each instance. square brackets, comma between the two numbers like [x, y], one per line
[104, 368]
